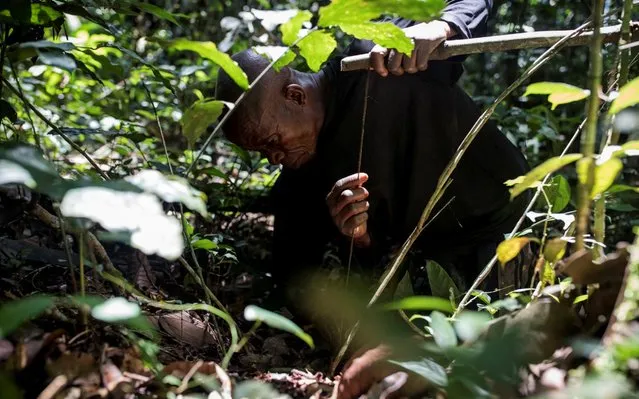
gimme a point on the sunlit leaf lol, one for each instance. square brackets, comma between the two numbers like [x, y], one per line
[538, 173]
[14, 313]
[158, 12]
[291, 28]
[141, 214]
[316, 47]
[283, 55]
[580, 298]
[209, 51]
[340, 12]
[57, 59]
[628, 96]
[558, 193]
[555, 249]
[558, 93]
[286, 59]
[11, 172]
[618, 188]
[509, 249]
[385, 34]
[116, 309]
[469, 325]
[170, 189]
[205, 244]
[414, 10]
[631, 147]
[270, 19]
[605, 175]
[420, 303]
[440, 281]
[253, 313]
[443, 331]
[426, 368]
[566, 218]
[199, 116]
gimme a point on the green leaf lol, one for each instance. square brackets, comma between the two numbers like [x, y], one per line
[286, 59]
[158, 12]
[45, 44]
[209, 51]
[14, 313]
[420, 303]
[291, 28]
[538, 173]
[443, 331]
[383, 33]
[199, 117]
[11, 172]
[605, 175]
[121, 311]
[618, 188]
[558, 93]
[255, 389]
[274, 320]
[427, 368]
[628, 96]
[316, 48]
[630, 148]
[205, 244]
[440, 281]
[470, 325]
[7, 111]
[558, 193]
[414, 10]
[507, 250]
[57, 58]
[340, 12]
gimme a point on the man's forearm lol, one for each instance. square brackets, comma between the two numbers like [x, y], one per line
[468, 18]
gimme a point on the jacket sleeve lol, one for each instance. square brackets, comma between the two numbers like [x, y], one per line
[468, 17]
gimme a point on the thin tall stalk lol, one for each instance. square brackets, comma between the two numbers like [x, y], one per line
[590, 133]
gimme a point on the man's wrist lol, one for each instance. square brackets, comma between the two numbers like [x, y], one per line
[447, 28]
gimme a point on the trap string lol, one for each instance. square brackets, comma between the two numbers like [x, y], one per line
[359, 168]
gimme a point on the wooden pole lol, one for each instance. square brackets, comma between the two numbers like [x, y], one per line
[499, 43]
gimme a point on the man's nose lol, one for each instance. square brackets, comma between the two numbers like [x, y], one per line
[275, 157]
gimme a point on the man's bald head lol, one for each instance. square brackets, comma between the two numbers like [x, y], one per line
[280, 116]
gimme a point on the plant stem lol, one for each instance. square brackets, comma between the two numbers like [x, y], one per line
[54, 127]
[589, 137]
[67, 250]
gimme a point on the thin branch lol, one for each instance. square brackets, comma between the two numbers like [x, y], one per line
[55, 128]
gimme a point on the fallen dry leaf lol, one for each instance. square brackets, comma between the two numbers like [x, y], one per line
[186, 329]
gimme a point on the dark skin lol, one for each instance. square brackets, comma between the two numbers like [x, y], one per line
[286, 126]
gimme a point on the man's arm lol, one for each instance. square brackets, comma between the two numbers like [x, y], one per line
[467, 17]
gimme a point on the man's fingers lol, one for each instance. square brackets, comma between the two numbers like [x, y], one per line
[349, 182]
[377, 60]
[410, 63]
[348, 228]
[422, 61]
[347, 198]
[392, 386]
[350, 211]
[395, 63]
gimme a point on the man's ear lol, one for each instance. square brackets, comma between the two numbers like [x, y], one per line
[294, 92]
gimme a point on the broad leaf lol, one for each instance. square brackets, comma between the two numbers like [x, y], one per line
[283, 55]
[440, 281]
[170, 189]
[255, 389]
[631, 148]
[270, 19]
[618, 188]
[14, 313]
[140, 214]
[286, 59]
[558, 193]
[340, 12]
[253, 313]
[538, 173]
[209, 51]
[57, 58]
[420, 303]
[426, 368]
[157, 11]
[443, 332]
[555, 249]
[628, 96]
[316, 48]
[199, 116]
[414, 10]
[469, 325]
[605, 175]
[291, 28]
[558, 93]
[385, 34]
[509, 249]
[45, 44]
[115, 310]
[11, 172]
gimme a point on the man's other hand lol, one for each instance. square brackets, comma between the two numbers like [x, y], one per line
[348, 206]
[426, 36]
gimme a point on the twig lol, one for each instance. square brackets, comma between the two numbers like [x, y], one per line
[67, 250]
[157, 120]
[36, 137]
[55, 128]
[588, 139]
[185, 381]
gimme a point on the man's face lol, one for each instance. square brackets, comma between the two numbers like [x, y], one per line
[284, 133]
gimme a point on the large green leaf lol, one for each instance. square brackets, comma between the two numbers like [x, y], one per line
[442, 330]
[605, 175]
[209, 51]
[628, 96]
[537, 174]
[291, 29]
[414, 10]
[158, 12]
[469, 325]
[420, 303]
[199, 116]
[253, 313]
[558, 93]
[34, 14]
[316, 48]
[383, 33]
[427, 368]
[558, 193]
[340, 12]
[441, 284]
[14, 313]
